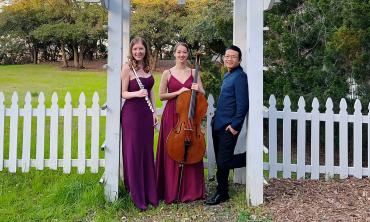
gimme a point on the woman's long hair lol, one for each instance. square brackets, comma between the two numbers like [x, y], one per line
[132, 62]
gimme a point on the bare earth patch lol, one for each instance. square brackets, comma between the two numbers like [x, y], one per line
[310, 200]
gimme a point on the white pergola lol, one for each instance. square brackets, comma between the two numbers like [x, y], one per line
[247, 34]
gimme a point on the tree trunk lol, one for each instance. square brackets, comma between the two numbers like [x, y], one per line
[35, 55]
[81, 57]
[75, 56]
[153, 59]
[64, 57]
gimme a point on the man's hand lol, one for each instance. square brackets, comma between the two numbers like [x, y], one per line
[234, 132]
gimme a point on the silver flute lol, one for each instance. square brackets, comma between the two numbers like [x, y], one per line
[142, 87]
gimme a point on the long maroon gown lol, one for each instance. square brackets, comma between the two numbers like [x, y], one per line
[137, 147]
[167, 170]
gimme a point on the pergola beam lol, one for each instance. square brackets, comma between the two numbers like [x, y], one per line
[268, 4]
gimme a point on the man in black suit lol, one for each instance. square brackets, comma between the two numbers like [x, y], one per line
[232, 107]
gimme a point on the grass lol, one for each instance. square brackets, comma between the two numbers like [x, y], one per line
[53, 196]
[49, 79]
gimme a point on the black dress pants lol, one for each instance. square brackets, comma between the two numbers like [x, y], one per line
[224, 143]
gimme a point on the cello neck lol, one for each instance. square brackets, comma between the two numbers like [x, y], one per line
[193, 99]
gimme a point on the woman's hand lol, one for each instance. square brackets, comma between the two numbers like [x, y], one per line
[195, 86]
[183, 89]
[155, 119]
[142, 93]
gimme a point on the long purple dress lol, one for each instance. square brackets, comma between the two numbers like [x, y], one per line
[137, 147]
[167, 170]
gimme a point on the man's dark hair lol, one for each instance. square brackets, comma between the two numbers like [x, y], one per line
[235, 48]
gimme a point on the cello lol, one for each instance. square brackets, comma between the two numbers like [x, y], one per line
[186, 142]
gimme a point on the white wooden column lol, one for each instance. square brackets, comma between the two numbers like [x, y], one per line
[126, 16]
[254, 54]
[240, 40]
[240, 28]
[118, 15]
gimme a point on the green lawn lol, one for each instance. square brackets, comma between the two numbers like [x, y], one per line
[52, 196]
[49, 79]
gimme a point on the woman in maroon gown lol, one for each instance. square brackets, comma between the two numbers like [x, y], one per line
[175, 81]
[138, 127]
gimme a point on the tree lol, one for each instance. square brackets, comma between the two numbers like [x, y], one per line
[19, 19]
[298, 51]
[158, 22]
[42, 23]
[77, 24]
[349, 51]
[209, 24]
[59, 34]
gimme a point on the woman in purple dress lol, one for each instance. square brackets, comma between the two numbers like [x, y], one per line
[175, 81]
[138, 122]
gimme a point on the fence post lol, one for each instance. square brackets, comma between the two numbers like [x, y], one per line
[343, 139]
[329, 140]
[54, 128]
[301, 139]
[95, 129]
[13, 136]
[315, 140]
[40, 137]
[67, 136]
[272, 137]
[357, 140]
[287, 142]
[81, 134]
[26, 147]
[210, 151]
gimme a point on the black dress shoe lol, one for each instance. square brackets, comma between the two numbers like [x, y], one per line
[217, 198]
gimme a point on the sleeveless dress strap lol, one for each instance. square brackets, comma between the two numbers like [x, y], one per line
[169, 77]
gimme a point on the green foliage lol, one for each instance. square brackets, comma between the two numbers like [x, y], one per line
[314, 47]
[212, 77]
[42, 23]
[158, 22]
[209, 25]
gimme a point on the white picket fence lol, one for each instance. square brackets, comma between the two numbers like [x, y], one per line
[301, 167]
[287, 166]
[55, 113]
